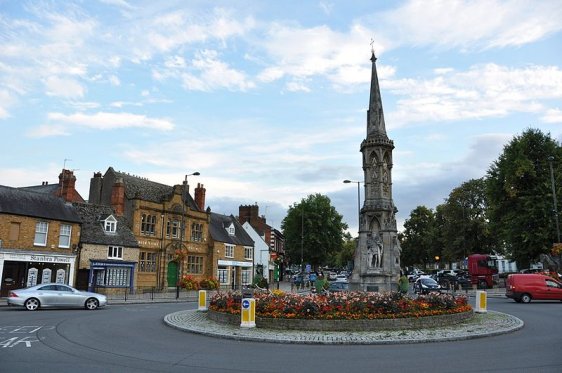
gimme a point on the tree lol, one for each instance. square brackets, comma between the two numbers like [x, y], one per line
[520, 196]
[313, 230]
[419, 240]
[464, 227]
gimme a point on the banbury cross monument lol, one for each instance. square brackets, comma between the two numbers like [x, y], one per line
[377, 255]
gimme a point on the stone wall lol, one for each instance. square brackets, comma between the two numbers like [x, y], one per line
[347, 325]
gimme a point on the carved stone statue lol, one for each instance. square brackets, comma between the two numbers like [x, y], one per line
[374, 251]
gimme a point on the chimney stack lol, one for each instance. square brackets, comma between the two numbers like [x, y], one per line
[67, 186]
[118, 197]
[200, 197]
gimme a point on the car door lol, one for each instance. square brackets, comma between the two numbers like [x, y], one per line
[47, 295]
[69, 296]
[554, 290]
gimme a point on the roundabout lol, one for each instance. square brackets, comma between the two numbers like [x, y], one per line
[481, 325]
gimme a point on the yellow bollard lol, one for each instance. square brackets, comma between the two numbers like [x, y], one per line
[202, 300]
[248, 313]
[481, 302]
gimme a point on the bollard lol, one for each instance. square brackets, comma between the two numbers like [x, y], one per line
[481, 302]
[202, 300]
[248, 313]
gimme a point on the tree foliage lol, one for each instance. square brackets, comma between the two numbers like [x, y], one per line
[419, 239]
[314, 229]
[463, 223]
[520, 196]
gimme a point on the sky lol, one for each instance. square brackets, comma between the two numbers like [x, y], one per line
[268, 99]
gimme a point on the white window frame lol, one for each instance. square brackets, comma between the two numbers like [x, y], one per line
[231, 230]
[110, 224]
[223, 275]
[41, 231]
[228, 251]
[248, 252]
[115, 252]
[246, 274]
[64, 236]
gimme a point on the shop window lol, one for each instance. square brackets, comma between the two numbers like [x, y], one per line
[223, 275]
[64, 237]
[41, 229]
[113, 277]
[246, 276]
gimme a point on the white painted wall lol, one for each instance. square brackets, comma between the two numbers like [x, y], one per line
[261, 250]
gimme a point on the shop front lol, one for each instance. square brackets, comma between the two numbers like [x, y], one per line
[234, 274]
[20, 269]
[111, 276]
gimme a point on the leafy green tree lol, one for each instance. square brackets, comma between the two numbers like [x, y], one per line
[419, 240]
[464, 224]
[314, 229]
[520, 196]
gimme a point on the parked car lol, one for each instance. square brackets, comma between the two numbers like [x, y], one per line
[426, 285]
[413, 276]
[523, 287]
[332, 276]
[55, 295]
[338, 286]
[341, 278]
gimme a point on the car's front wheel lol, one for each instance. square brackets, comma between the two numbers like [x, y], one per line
[91, 304]
[32, 304]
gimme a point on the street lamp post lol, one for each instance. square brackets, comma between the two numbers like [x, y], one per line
[182, 229]
[358, 202]
[550, 159]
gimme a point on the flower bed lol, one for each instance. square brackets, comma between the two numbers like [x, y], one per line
[351, 311]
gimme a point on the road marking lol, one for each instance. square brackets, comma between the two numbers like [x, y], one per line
[20, 329]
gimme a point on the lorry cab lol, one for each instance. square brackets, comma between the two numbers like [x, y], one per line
[523, 287]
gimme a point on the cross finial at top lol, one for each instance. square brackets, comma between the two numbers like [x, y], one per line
[372, 47]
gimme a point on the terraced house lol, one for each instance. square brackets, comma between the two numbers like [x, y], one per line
[39, 237]
[171, 227]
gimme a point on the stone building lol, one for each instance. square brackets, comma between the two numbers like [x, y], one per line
[39, 236]
[377, 256]
[233, 251]
[170, 227]
[109, 251]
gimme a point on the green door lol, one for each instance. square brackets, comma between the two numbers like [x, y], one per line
[172, 274]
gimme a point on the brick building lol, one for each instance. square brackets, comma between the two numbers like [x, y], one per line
[170, 227]
[39, 236]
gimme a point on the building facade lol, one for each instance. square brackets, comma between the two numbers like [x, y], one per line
[39, 237]
[233, 252]
[109, 251]
[170, 227]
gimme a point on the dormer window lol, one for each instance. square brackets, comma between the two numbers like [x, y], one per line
[230, 229]
[110, 224]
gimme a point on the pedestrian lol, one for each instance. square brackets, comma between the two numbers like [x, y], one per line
[403, 283]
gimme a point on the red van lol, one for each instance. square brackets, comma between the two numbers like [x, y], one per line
[522, 287]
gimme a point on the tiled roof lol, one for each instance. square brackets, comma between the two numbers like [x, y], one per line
[40, 205]
[49, 188]
[92, 226]
[218, 231]
[138, 187]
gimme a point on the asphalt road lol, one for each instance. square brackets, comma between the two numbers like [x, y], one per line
[133, 338]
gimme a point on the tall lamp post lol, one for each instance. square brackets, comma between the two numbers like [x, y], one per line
[550, 159]
[182, 228]
[358, 202]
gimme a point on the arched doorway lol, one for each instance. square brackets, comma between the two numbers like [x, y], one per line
[172, 273]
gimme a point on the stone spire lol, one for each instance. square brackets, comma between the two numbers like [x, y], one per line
[375, 115]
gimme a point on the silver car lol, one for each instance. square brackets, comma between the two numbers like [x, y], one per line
[55, 295]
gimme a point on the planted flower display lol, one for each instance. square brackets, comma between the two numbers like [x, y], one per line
[343, 306]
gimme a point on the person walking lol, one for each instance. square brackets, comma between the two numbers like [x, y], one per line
[403, 284]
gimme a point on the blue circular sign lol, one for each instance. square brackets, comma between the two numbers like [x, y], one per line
[245, 304]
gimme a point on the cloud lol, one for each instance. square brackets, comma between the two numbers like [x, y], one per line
[213, 74]
[470, 24]
[483, 91]
[60, 124]
[552, 116]
[61, 87]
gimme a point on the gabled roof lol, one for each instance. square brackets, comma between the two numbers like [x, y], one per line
[92, 226]
[138, 187]
[218, 231]
[38, 205]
